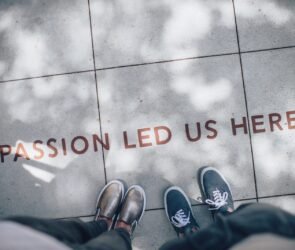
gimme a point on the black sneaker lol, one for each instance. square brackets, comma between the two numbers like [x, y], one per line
[179, 211]
[216, 191]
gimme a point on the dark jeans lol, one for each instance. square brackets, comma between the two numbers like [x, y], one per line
[80, 235]
[230, 229]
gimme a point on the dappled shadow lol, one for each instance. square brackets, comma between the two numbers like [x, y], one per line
[265, 24]
[41, 37]
[44, 37]
[148, 31]
[165, 94]
[270, 88]
[40, 109]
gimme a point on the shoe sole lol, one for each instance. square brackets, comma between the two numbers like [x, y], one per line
[144, 200]
[203, 172]
[183, 193]
[105, 187]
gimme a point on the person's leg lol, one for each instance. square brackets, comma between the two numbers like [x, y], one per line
[73, 232]
[231, 227]
[229, 230]
[130, 214]
[118, 239]
[66, 231]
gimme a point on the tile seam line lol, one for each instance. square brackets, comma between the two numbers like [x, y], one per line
[118, 66]
[237, 200]
[147, 63]
[96, 87]
[200, 204]
[195, 57]
[194, 205]
[268, 49]
[246, 101]
[275, 196]
[167, 61]
[45, 76]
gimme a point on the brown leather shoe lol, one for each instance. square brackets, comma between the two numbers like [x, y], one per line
[109, 200]
[133, 207]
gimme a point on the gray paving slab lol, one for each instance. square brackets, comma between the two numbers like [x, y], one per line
[269, 79]
[57, 181]
[265, 24]
[155, 229]
[172, 95]
[285, 202]
[126, 32]
[44, 37]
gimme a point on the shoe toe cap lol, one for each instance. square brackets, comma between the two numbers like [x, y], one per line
[134, 205]
[110, 200]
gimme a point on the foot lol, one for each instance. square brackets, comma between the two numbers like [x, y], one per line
[132, 209]
[109, 201]
[216, 191]
[179, 211]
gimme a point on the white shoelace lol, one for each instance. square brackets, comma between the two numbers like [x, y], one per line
[180, 219]
[219, 200]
